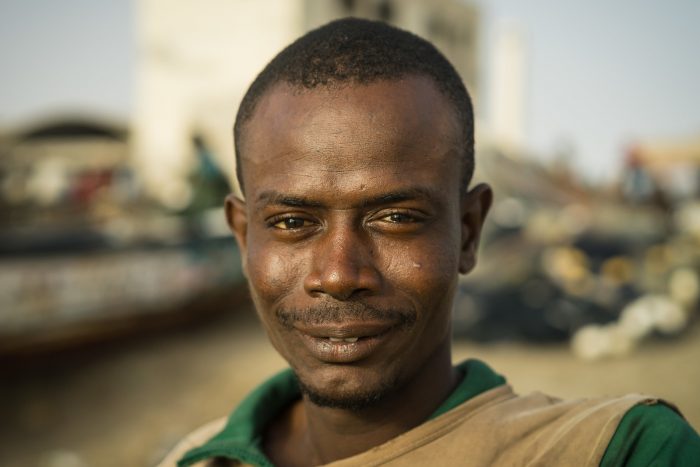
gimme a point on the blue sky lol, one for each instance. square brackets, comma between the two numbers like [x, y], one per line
[601, 74]
[68, 54]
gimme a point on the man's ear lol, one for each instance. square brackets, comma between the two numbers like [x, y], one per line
[237, 218]
[475, 206]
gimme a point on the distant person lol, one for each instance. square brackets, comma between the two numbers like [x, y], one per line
[355, 151]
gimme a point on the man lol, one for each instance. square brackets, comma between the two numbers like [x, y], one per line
[354, 154]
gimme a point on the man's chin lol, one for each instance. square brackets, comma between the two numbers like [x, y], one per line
[348, 399]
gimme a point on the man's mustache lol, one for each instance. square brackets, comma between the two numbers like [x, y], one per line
[337, 313]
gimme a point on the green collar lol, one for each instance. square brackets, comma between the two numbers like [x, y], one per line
[241, 438]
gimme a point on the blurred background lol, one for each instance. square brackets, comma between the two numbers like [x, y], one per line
[124, 317]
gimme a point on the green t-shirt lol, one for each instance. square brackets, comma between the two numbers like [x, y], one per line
[648, 435]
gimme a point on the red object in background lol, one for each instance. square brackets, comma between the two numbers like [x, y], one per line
[88, 183]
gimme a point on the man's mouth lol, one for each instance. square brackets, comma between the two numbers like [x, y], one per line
[347, 339]
[347, 342]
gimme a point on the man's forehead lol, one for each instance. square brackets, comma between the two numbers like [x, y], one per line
[326, 118]
[411, 93]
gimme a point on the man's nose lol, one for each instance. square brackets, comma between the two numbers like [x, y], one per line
[343, 265]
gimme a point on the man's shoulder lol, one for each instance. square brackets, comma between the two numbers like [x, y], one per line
[630, 430]
[653, 432]
[195, 439]
[238, 435]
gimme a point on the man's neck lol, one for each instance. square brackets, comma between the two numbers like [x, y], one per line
[308, 434]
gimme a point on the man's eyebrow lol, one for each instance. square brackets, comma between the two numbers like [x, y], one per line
[272, 197]
[409, 194]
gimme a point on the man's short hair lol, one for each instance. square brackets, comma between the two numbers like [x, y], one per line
[360, 51]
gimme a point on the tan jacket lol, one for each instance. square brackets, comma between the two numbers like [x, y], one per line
[496, 427]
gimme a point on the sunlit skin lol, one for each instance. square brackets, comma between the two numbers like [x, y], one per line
[354, 197]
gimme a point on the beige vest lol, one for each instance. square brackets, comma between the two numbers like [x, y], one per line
[495, 428]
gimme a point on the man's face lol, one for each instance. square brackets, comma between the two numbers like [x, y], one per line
[354, 230]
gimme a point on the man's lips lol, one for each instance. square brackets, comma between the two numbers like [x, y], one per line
[346, 342]
[345, 330]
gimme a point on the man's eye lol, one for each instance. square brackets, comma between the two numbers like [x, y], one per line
[399, 218]
[291, 223]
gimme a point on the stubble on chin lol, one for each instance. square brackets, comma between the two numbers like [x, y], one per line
[355, 402]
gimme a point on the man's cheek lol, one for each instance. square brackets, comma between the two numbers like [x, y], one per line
[424, 276]
[272, 273]
[420, 259]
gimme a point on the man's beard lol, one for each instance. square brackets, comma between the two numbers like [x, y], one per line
[338, 314]
[354, 402]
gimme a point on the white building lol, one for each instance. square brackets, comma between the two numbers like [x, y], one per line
[508, 69]
[196, 58]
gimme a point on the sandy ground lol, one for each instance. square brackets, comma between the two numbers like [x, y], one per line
[126, 404]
